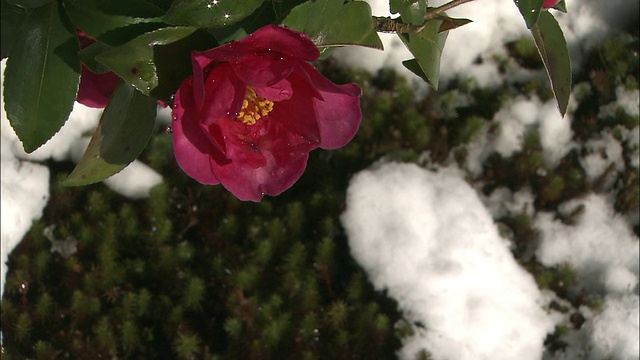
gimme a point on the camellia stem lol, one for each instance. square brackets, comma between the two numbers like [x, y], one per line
[389, 25]
[433, 13]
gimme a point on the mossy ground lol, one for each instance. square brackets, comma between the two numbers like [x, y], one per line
[193, 273]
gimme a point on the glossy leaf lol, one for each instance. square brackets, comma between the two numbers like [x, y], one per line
[88, 54]
[552, 47]
[414, 13]
[161, 4]
[332, 22]
[42, 76]
[30, 4]
[268, 13]
[112, 23]
[530, 10]
[210, 13]
[396, 6]
[124, 131]
[134, 61]
[12, 19]
[427, 46]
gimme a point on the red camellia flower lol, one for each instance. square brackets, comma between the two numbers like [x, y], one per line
[95, 89]
[548, 4]
[255, 108]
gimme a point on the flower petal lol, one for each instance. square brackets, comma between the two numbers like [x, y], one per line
[224, 94]
[262, 70]
[279, 91]
[248, 183]
[96, 89]
[287, 42]
[193, 150]
[296, 115]
[267, 157]
[240, 143]
[338, 112]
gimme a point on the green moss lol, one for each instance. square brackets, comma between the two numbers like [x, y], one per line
[186, 346]
[194, 293]
[247, 278]
[43, 350]
[233, 327]
[23, 327]
[337, 315]
[276, 329]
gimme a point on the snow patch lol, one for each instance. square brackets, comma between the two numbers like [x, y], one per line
[426, 238]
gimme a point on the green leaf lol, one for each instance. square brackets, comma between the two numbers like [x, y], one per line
[552, 47]
[134, 61]
[414, 13]
[427, 46]
[124, 130]
[268, 13]
[30, 4]
[415, 68]
[397, 6]
[332, 22]
[88, 54]
[210, 13]
[451, 23]
[561, 6]
[161, 4]
[112, 23]
[12, 19]
[42, 76]
[530, 10]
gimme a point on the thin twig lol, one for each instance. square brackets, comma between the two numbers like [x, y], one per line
[434, 13]
[389, 25]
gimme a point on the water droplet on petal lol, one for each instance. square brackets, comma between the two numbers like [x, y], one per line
[285, 92]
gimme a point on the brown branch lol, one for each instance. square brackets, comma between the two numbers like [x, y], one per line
[389, 25]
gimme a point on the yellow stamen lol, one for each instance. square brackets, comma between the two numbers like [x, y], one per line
[254, 107]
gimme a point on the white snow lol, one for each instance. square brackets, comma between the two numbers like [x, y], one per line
[614, 332]
[600, 245]
[427, 239]
[518, 117]
[602, 153]
[24, 192]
